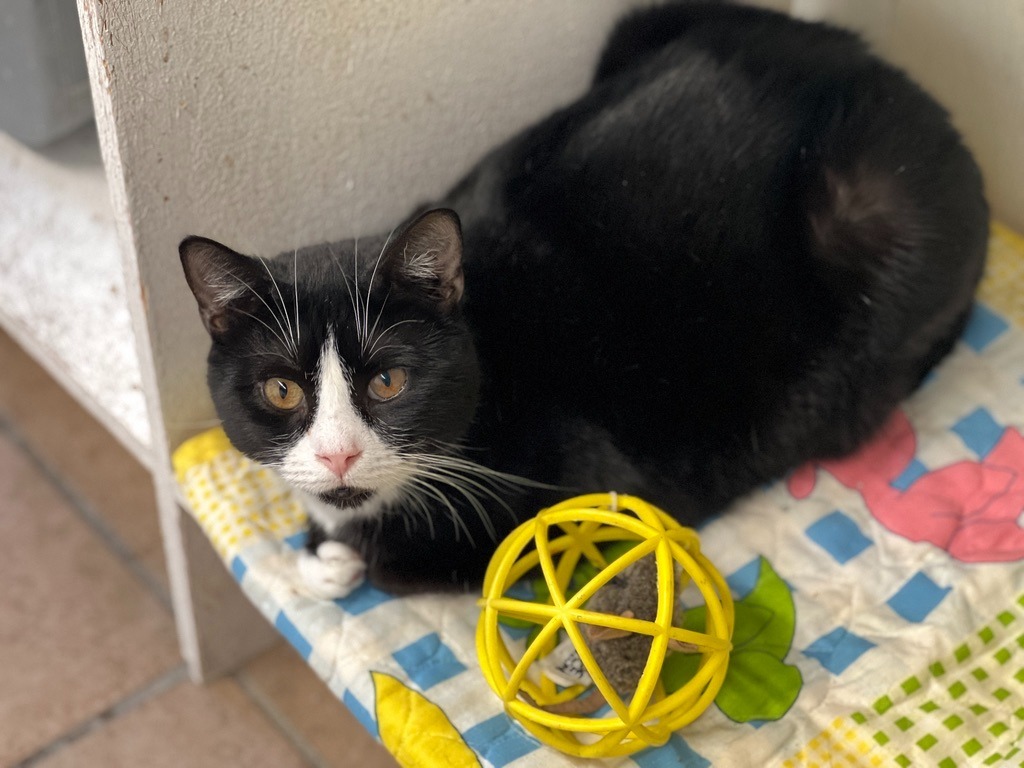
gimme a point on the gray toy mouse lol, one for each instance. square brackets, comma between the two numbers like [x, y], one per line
[622, 655]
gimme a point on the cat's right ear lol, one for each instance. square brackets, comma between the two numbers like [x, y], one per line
[226, 284]
[427, 258]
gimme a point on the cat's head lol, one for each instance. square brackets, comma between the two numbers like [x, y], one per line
[347, 367]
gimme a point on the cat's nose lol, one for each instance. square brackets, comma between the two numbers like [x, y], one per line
[339, 463]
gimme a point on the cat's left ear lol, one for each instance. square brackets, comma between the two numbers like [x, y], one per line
[427, 258]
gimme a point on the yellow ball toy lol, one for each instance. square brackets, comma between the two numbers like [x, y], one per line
[557, 540]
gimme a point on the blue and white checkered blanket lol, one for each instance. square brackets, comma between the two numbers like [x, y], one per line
[882, 596]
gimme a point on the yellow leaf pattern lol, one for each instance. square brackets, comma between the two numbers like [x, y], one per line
[415, 730]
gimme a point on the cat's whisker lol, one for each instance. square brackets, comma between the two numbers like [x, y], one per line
[468, 489]
[263, 355]
[360, 335]
[380, 313]
[462, 481]
[272, 331]
[413, 499]
[336, 261]
[472, 481]
[349, 288]
[378, 350]
[425, 511]
[351, 300]
[369, 288]
[454, 513]
[295, 290]
[386, 331]
[443, 448]
[280, 295]
[469, 478]
[281, 440]
[471, 466]
[273, 314]
[408, 526]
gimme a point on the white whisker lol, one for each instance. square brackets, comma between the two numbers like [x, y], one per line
[467, 493]
[284, 311]
[261, 322]
[455, 516]
[380, 313]
[465, 486]
[378, 350]
[360, 335]
[474, 482]
[456, 462]
[262, 355]
[386, 331]
[295, 290]
[348, 285]
[263, 301]
[414, 498]
[369, 288]
[352, 303]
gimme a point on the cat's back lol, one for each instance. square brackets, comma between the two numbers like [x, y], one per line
[739, 197]
[706, 122]
[719, 138]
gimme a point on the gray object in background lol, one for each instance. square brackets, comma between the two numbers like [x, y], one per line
[44, 84]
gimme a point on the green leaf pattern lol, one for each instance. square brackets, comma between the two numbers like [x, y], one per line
[759, 684]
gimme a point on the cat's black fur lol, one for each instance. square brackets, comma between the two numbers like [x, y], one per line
[737, 252]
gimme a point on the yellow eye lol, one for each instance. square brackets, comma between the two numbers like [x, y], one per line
[388, 384]
[283, 394]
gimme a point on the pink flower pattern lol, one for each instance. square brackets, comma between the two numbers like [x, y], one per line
[968, 508]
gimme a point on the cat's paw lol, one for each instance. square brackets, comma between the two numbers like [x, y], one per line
[334, 571]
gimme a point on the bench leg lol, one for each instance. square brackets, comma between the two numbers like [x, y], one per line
[218, 628]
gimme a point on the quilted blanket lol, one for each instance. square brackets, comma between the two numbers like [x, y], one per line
[879, 599]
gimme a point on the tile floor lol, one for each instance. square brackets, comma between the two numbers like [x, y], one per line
[89, 667]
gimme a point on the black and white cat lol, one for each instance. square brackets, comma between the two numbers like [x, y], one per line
[737, 252]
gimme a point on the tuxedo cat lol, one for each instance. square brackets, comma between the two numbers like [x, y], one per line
[737, 252]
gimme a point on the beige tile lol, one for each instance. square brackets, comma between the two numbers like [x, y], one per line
[77, 631]
[88, 459]
[287, 684]
[215, 726]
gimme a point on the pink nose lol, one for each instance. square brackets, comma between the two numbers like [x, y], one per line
[339, 463]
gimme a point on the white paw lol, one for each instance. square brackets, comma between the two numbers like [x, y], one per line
[334, 571]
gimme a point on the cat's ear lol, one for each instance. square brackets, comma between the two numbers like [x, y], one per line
[427, 257]
[226, 284]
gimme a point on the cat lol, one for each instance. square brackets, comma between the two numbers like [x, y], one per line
[737, 252]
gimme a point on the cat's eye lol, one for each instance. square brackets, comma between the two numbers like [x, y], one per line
[283, 394]
[388, 384]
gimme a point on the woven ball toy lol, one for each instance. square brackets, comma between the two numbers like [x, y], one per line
[558, 541]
